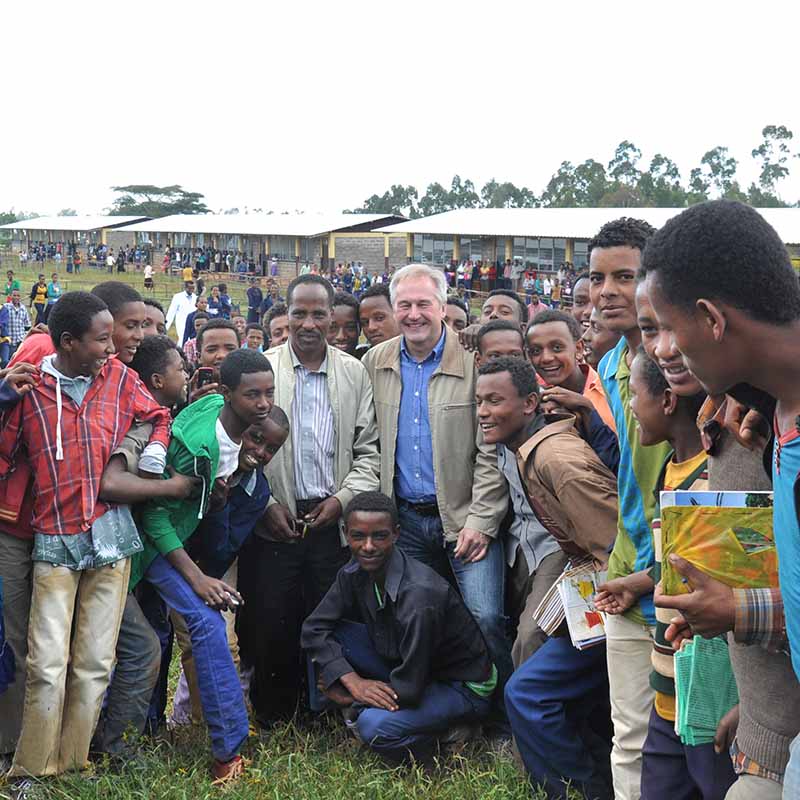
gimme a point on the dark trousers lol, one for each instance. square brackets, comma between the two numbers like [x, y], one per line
[672, 770]
[135, 676]
[550, 701]
[413, 730]
[157, 614]
[282, 583]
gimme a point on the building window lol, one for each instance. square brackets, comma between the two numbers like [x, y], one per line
[559, 251]
[580, 254]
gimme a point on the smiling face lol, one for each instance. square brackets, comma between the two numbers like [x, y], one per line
[129, 330]
[371, 538]
[88, 354]
[309, 319]
[496, 344]
[612, 279]
[648, 410]
[419, 312]
[343, 333]
[173, 383]
[502, 413]
[553, 352]
[646, 320]
[699, 337]
[240, 323]
[597, 340]
[217, 343]
[377, 320]
[581, 302]
[260, 442]
[252, 399]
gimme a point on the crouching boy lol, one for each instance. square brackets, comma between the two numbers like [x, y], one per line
[395, 642]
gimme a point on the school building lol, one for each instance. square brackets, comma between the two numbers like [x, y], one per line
[542, 238]
[291, 239]
[78, 231]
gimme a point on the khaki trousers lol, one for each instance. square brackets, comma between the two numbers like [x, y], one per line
[15, 571]
[751, 787]
[72, 637]
[628, 649]
[185, 645]
[525, 593]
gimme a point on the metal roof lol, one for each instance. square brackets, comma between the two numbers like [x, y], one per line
[565, 223]
[75, 224]
[259, 224]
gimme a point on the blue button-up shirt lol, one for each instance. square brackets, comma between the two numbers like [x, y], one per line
[414, 479]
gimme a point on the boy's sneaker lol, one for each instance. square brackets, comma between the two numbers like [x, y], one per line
[227, 772]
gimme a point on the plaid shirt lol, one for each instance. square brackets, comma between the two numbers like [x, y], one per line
[744, 765]
[67, 489]
[760, 619]
[19, 321]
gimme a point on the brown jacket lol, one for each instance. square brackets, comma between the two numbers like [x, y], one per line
[571, 491]
[470, 490]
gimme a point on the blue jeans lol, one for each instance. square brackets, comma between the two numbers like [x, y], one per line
[482, 583]
[396, 735]
[220, 691]
[791, 778]
[550, 700]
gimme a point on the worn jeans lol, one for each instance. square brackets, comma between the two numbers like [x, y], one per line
[791, 778]
[411, 731]
[550, 701]
[15, 571]
[629, 646]
[135, 677]
[218, 683]
[482, 583]
[72, 637]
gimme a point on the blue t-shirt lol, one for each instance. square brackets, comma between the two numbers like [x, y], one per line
[785, 472]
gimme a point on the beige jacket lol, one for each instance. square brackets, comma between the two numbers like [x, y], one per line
[570, 490]
[356, 458]
[470, 490]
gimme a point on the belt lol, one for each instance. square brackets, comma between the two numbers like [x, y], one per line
[424, 509]
[304, 506]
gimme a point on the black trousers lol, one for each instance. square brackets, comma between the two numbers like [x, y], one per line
[282, 583]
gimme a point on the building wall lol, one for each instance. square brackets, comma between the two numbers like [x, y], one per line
[366, 248]
[397, 252]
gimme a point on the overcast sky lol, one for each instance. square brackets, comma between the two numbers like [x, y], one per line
[315, 106]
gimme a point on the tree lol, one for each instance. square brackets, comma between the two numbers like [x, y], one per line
[400, 200]
[156, 201]
[68, 212]
[506, 195]
[463, 194]
[622, 168]
[660, 186]
[583, 185]
[719, 169]
[773, 153]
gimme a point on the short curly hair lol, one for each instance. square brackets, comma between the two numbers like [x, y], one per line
[523, 375]
[499, 325]
[622, 232]
[374, 503]
[553, 315]
[511, 294]
[725, 250]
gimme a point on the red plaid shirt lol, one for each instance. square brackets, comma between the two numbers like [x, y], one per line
[66, 491]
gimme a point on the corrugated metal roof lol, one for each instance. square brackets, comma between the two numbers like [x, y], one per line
[258, 224]
[565, 223]
[75, 224]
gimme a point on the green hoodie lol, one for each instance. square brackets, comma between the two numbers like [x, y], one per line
[166, 524]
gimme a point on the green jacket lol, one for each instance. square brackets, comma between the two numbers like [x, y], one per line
[166, 524]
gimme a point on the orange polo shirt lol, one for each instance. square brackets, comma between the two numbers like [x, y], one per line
[594, 392]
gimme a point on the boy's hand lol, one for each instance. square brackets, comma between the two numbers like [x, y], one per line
[181, 486]
[468, 338]
[23, 377]
[726, 731]
[614, 597]
[280, 523]
[709, 609]
[376, 694]
[195, 392]
[325, 513]
[216, 593]
[749, 427]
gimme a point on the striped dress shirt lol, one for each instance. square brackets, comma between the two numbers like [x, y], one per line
[313, 433]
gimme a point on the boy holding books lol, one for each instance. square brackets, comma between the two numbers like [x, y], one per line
[574, 496]
[669, 768]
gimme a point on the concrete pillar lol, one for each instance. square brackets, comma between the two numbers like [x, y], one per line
[102, 235]
[331, 265]
[386, 251]
[409, 247]
[569, 250]
[456, 248]
[509, 254]
[297, 255]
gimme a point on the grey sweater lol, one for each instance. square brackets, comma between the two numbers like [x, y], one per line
[769, 694]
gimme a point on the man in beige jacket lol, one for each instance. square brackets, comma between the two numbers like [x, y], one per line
[331, 455]
[450, 494]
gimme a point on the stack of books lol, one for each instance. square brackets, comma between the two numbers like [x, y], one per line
[571, 598]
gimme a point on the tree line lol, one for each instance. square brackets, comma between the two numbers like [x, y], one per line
[624, 182]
